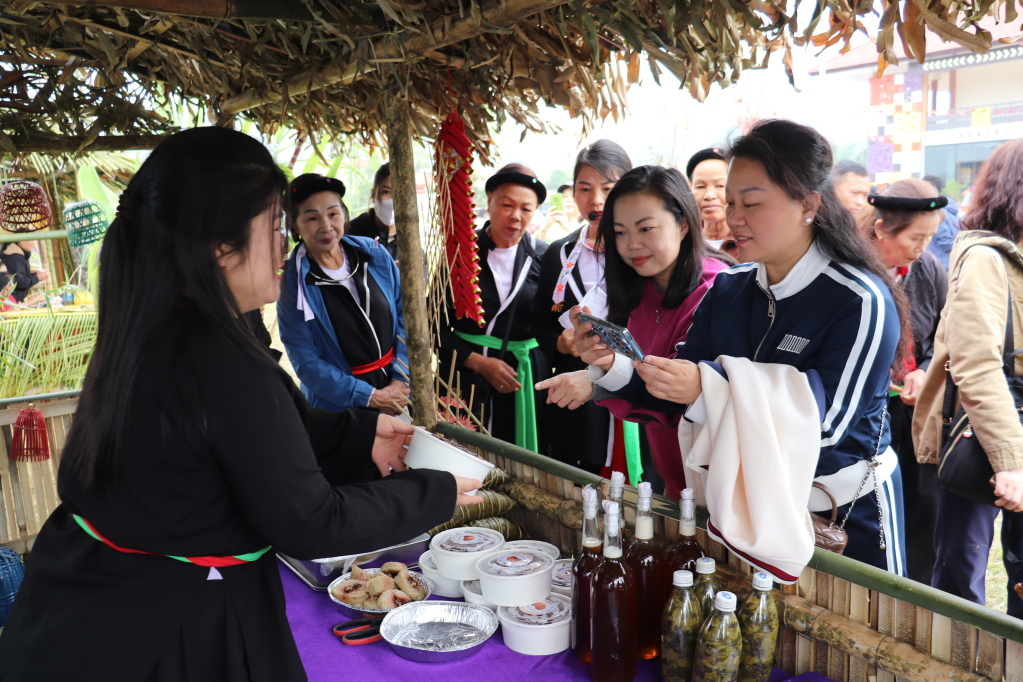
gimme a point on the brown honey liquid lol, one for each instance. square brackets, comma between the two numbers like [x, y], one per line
[582, 572]
[683, 556]
[613, 622]
[652, 582]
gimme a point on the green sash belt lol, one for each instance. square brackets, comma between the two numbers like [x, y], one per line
[632, 453]
[525, 408]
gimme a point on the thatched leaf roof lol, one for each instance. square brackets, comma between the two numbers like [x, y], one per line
[70, 73]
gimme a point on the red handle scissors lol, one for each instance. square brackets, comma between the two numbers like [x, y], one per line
[359, 631]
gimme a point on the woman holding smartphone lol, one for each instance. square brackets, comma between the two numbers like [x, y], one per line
[813, 295]
[657, 272]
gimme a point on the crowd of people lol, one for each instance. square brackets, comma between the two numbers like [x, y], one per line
[765, 262]
[757, 251]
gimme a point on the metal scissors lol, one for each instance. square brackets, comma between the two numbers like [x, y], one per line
[359, 631]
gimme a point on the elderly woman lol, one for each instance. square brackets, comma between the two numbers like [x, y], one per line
[340, 312]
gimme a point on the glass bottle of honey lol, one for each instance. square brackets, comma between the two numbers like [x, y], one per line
[651, 572]
[582, 572]
[613, 610]
[682, 622]
[683, 556]
[706, 584]
[617, 493]
[719, 646]
[758, 622]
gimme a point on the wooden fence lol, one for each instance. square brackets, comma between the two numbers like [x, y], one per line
[843, 619]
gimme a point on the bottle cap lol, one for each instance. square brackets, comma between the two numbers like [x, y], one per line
[645, 490]
[682, 579]
[590, 502]
[611, 507]
[617, 482]
[762, 581]
[724, 601]
[688, 494]
[705, 565]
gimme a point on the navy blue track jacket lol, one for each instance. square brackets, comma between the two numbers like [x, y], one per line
[835, 319]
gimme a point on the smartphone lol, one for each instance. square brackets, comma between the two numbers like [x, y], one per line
[615, 337]
[557, 202]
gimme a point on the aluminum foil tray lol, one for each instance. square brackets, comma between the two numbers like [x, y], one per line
[438, 631]
[320, 573]
[356, 612]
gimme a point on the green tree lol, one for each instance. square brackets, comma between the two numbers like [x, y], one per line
[558, 178]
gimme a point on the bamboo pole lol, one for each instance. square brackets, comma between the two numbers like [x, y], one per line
[214, 9]
[501, 14]
[73, 143]
[410, 258]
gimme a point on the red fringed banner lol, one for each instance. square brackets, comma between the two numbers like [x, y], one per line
[454, 166]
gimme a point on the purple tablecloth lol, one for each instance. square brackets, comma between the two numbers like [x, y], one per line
[313, 614]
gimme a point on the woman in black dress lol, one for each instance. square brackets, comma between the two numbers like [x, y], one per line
[14, 257]
[189, 459]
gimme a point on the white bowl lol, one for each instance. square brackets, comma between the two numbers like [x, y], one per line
[538, 629]
[561, 581]
[456, 551]
[443, 587]
[474, 595]
[513, 577]
[535, 544]
[426, 451]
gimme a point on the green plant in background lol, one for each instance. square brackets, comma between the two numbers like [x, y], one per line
[45, 351]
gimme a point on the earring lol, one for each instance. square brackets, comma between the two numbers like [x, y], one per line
[808, 221]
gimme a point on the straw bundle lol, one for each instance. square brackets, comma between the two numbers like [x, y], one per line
[44, 351]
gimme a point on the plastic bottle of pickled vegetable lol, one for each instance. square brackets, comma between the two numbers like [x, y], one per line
[582, 572]
[651, 572]
[681, 627]
[706, 584]
[719, 645]
[613, 610]
[758, 622]
[683, 556]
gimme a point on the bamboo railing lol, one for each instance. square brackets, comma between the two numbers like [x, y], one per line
[843, 619]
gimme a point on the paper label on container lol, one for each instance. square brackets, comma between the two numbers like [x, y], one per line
[470, 541]
[517, 563]
[546, 612]
[563, 575]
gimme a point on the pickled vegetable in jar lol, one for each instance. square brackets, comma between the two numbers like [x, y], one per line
[680, 630]
[758, 623]
[719, 646]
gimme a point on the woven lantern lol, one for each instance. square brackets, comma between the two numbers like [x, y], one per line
[85, 222]
[24, 207]
[29, 442]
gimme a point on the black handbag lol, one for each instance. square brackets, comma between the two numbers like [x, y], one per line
[964, 467]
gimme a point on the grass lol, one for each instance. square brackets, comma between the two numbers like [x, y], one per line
[996, 581]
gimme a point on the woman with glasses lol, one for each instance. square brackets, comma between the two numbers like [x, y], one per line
[340, 313]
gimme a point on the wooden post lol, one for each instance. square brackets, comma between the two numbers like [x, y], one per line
[410, 258]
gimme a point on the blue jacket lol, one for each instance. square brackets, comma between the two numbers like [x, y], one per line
[948, 230]
[824, 316]
[313, 349]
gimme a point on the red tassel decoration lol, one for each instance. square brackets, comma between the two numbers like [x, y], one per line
[29, 442]
[454, 166]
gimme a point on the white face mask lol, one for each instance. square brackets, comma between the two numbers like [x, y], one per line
[384, 210]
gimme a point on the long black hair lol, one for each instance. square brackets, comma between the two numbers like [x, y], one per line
[798, 159]
[624, 285]
[199, 188]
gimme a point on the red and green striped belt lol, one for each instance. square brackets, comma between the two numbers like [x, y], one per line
[207, 561]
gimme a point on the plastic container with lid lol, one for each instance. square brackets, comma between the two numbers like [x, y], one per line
[474, 594]
[442, 587]
[538, 629]
[456, 551]
[535, 544]
[515, 577]
[427, 451]
[561, 581]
